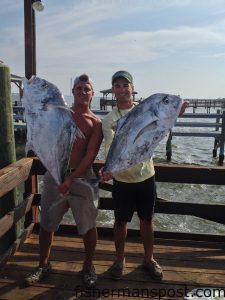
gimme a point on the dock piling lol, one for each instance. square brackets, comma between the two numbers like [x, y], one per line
[221, 154]
[7, 150]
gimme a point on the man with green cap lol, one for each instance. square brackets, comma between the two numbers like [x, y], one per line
[133, 189]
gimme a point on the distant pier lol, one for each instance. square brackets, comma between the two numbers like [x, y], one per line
[19, 122]
[108, 100]
[208, 104]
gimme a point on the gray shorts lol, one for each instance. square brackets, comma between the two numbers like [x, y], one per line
[83, 202]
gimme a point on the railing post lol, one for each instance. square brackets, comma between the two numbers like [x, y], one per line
[222, 140]
[8, 152]
[169, 146]
[216, 141]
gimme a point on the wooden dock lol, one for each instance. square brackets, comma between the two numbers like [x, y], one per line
[189, 260]
[186, 264]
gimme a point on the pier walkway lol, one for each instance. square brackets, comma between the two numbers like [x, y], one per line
[187, 265]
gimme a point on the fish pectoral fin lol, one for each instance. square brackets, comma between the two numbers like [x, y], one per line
[80, 134]
[51, 106]
[148, 127]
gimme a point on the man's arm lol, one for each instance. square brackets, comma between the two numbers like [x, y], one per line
[183, 107]
[108, 133]
[87, 160]
[91, 152]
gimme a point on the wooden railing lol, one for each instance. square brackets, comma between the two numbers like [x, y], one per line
[218, 132]
[26, 171]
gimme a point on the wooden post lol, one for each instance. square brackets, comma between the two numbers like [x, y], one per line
[222, 140]
[30, 69]
[169, 146]
[216, 141]
[7, 149]
[30, 39]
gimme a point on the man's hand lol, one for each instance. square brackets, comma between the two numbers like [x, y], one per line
[183, 107]
[105, 176]
[64, 188]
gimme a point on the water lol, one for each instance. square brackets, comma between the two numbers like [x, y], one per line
[185, 150]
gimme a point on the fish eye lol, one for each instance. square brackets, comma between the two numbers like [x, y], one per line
[44, 84]
[165, 100]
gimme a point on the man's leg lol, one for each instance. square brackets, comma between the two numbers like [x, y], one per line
[89, 239]
[88, 273]
[45, 243]
[150, 265]
[147, 234]
[120, 235]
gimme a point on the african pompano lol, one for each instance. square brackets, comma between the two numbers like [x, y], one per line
[140, 131]
[51, 130]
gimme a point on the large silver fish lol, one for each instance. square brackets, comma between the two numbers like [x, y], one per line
[51, 130]
[140, 131]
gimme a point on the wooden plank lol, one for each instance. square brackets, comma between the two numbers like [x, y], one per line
[190, 174]
[212, 212]
[167, 173]
[197, 134]
[15, 215]
[134, 273]
[134, 233]
[197, 124]
[12, 249]
[136, 242]
[14, 174]
[184, 173]
[200, 116]
[22, 126]
[71, 288]
[185, 268]
[173, 273]
[179, 259]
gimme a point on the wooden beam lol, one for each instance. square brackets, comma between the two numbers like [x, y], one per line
[12, 249]
[183, 173]
[167, 173]
[14, 174]
[211, 212]
[190, 174]
[106, 232]
[15, 215]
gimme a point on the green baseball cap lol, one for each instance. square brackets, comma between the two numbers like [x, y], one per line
[122, 74]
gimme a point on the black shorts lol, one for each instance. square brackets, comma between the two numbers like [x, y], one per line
[128, 197]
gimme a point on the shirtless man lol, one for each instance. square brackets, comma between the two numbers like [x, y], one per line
[75, 192]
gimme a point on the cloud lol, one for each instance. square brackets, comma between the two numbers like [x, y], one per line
[99, 36]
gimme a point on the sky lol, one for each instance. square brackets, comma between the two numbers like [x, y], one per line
[169, 46]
